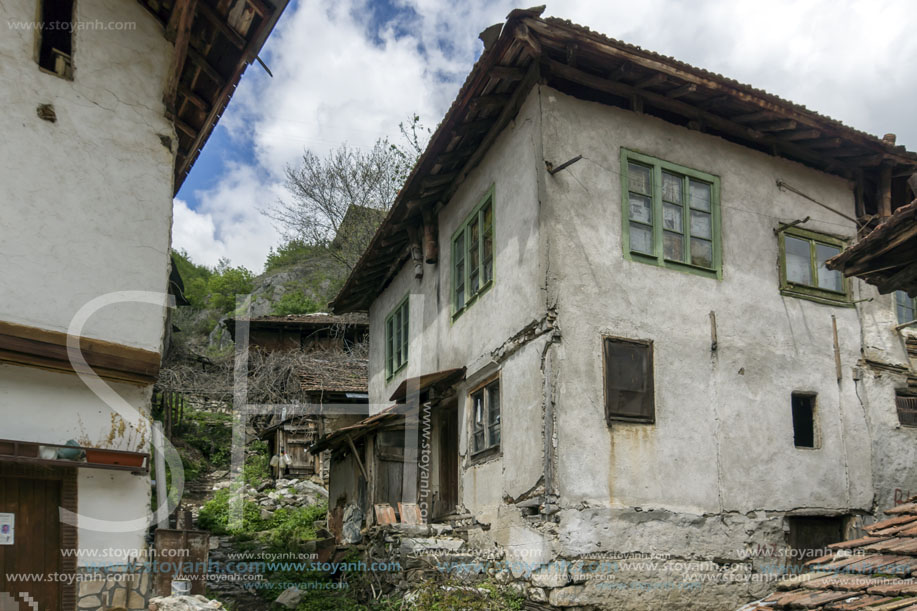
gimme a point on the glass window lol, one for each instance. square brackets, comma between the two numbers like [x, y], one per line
[803, 272]
[396, 339]
[905, 307]
[672, 214]
[485, 411]
[473, 255]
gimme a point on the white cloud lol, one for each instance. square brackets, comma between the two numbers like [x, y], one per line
[228, 222]
[335, 81]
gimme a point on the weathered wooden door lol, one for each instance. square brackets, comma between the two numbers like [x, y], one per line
[36, 548]
[448, 460]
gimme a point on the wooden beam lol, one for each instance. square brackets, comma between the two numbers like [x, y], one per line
[182, 18]
[220, 23]
[651, 81]
[681, 91]
[803, 134]
[507, 73]
[201, 62]
[823, 143]
[437, 180]
[488, 101]
[525, 35]
[430, 247]
[751, 117]
[356, 456]
[185, 127]
[45, 349]
[884, 194]
[713, 101]
[194, 98]
[175, 18]
[777, 126]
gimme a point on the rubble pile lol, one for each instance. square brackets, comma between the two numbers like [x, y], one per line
[183, 603]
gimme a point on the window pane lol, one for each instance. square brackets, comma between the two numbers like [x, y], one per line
[477, 400]
[639, 178]
[701, 252]
[827, 279]
[798, 260]
[641, 238]
[404, 333]
[458, 252]
[488, 245]
[904, 306]
[701, 225]
[641, 209]
[493, 413]
[700, 195]
[397, 337]
[671, 187]
[673, 246]
[672, 218]
[479, 441]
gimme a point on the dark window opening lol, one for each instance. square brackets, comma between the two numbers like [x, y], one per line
[907, 409]
[804, 420]
[55, 50]
[629, 380]
[811, 535]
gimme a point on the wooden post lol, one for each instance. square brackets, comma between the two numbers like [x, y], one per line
[160, 463]
[713, 344]
[356, 456]
[885, 191]
[430, 249]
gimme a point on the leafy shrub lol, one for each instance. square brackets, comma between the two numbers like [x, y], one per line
[295, 302]
[215, 515]
[292, 527]
[257, 468]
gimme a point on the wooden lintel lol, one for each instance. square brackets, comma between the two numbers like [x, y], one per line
[681, 91]
[34, 347]
[220, 23]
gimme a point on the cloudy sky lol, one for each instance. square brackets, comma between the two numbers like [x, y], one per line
[348, 71]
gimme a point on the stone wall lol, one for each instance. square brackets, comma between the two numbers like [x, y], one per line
[117, 587]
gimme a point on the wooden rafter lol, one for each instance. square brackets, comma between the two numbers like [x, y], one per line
[182, 18]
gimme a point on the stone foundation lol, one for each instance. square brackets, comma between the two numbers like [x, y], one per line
[115, 587]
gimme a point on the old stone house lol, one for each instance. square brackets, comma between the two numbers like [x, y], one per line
[106, 106]
[601, 309]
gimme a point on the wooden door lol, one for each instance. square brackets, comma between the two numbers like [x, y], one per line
[448, 461]
[37, 545]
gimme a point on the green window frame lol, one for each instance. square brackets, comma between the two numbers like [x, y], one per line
[905, 307]
[396, 338]
[802, 267]
[473, 255]
[485, 417]
[671, 215]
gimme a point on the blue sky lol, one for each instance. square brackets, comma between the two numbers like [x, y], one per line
[348, 71]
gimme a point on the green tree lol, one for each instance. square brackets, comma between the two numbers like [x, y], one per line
[226, 283]
[194, 277]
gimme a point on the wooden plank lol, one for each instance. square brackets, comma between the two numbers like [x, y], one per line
[884, 194]
[194, 98]
[220, 23]
[507, 73]
[681, 91]
[201, 62]
[777, 126]
[356, 457]
[651, 81]
[182, 18]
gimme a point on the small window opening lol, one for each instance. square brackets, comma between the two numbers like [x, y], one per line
[804, 420]
[811, 536]
[55, 50]
[907, 409]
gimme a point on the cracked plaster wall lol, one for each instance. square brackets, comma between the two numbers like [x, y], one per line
[88, 209]
[89, 197]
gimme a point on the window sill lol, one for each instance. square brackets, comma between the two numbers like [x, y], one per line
[395, 373]
[485, 455]
[824, 298]
[706, 272]
[609, 420]
[471, 302]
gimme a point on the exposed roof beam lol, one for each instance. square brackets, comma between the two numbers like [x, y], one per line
[201, 62]
[181, 19]
[220, 23]
[681, 91]
[651, 81]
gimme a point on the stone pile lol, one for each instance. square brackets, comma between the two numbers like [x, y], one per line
[183, 603]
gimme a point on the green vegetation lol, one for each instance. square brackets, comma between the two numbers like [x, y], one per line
[293, 302]
[291, 253]
[212, 288]
[257, 467]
